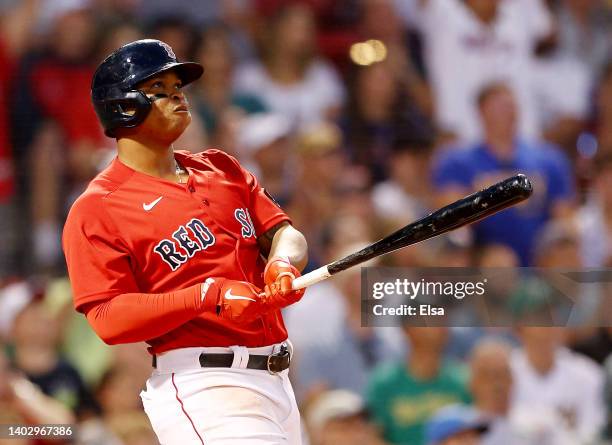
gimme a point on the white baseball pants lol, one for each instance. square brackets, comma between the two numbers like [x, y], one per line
[187, 404]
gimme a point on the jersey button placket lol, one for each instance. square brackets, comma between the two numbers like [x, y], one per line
[191, 189]
[190, 186]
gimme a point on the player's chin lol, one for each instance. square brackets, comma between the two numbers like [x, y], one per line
[180, 119]
[174, 126]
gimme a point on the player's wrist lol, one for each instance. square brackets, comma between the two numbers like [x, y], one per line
[210, 293]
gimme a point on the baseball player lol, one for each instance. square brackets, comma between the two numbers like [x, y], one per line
[170, 248]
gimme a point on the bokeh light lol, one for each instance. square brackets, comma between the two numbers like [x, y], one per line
[368, 52]
[587, 145]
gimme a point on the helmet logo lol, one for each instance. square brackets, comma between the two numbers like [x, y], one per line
[168, 50]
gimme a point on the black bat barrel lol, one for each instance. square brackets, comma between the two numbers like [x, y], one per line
[467, 210]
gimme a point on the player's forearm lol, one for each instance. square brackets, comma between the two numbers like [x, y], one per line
[289, 242]
[135, 317]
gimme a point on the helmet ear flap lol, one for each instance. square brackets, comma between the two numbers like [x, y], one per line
[125, 112]
[114, 92]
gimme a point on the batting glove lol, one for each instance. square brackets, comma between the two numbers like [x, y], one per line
[278, 278]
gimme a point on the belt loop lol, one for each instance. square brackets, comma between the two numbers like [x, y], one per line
[241, 357]
[289, 346]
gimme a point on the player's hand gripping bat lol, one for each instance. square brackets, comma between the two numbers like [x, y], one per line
[465, 211]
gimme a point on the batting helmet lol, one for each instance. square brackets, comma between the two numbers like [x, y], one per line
[116, 100]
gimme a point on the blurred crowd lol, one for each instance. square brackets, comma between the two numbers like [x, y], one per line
[357, 116]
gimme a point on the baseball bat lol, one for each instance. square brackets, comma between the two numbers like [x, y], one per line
[460, 213]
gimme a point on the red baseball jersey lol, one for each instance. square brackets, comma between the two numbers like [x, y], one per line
[130, 232]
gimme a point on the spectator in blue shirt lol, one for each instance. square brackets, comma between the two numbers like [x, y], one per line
[503, 153]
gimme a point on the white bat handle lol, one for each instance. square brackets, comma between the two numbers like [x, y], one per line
[311, 278]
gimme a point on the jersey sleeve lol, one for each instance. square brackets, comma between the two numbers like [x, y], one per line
[98, 261]
[264, 211]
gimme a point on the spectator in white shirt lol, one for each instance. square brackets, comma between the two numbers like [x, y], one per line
[471, 43]
[291, 79]
[554, 386]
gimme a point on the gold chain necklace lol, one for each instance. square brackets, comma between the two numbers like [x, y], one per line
[179, 172]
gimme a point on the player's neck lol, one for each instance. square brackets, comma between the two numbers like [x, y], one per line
[155, 160]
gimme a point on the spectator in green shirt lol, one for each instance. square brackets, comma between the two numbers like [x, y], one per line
[403, 396]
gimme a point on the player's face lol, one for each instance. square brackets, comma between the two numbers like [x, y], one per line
[169, 115]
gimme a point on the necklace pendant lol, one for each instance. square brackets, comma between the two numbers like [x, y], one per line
[179, 173]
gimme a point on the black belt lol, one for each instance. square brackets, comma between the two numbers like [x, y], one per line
[273, 363]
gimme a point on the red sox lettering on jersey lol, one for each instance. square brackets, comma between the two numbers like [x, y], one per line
[196, 237]
[201, 238]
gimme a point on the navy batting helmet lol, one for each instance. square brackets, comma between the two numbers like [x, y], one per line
[113, 90]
